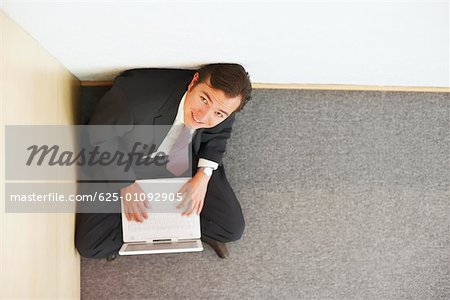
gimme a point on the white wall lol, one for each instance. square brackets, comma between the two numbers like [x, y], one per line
[338, 42]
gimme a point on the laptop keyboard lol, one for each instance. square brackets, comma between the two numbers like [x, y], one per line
[163, 225]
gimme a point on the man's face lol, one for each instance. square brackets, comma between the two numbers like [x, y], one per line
[205, 106]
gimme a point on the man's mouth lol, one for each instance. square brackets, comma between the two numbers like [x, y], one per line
[195, 119]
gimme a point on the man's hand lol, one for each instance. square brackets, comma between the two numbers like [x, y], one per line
[194, 192]
[135, 209]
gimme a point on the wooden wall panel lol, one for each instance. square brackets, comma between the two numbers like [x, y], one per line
[38, 257]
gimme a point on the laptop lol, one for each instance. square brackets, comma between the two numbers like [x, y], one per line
[165, 230]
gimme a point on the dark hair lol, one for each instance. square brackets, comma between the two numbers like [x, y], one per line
[232, 79]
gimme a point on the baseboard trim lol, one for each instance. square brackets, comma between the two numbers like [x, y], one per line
[96, 83]
[351, 87]
[342, 87]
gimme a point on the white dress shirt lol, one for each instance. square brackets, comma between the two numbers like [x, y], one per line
[173, 133]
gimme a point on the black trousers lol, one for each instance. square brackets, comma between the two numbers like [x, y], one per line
[98, 235]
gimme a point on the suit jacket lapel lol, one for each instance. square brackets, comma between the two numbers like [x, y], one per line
[167, 112]
[196, 140]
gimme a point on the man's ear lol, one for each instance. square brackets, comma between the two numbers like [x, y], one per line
[193, 81]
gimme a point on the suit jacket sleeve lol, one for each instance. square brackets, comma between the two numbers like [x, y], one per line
[214, 140]
[112, 110]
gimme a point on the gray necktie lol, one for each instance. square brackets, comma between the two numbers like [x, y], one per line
[179, 154]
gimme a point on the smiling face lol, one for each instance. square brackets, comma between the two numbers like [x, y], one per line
[205, 106]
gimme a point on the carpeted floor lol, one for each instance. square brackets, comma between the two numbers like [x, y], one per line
[346, 196]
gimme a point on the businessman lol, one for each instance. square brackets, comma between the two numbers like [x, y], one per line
[199, 105]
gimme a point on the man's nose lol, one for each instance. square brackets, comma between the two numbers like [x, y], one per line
[203, 115]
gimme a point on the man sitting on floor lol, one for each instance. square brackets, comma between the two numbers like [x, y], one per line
[203, 101]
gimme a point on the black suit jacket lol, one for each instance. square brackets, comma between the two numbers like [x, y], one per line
[150, 97]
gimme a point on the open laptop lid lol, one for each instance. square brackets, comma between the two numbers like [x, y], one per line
[157, 248]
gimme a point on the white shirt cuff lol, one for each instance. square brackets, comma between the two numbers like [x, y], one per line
[207, 163]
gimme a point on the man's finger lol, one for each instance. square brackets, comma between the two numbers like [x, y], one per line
[142, 209]
[191, 207]
[125, 208]
[196, 207]
[187, 212]
[186, 187]
[200, 207]
[187, 196]
[147, 202]
[128, 212]
[136, 212]
[137, 217]
[183, 202]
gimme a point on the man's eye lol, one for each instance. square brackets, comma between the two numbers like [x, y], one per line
[220, 115]
[204, 99]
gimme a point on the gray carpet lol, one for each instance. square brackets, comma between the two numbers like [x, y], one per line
[346, 196]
